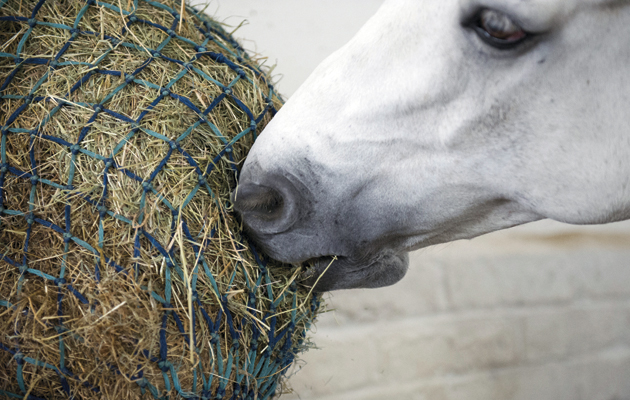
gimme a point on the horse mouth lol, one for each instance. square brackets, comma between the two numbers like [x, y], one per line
[315, 268]
[327, 273]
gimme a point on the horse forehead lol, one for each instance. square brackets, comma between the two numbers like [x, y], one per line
[540, 14]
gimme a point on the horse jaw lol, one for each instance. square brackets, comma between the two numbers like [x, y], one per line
[417, 133]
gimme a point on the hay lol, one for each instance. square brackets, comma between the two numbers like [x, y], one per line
[123, 272]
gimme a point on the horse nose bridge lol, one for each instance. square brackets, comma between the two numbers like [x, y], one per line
[268, 203]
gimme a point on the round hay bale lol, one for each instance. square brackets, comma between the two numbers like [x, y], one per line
[123, 272]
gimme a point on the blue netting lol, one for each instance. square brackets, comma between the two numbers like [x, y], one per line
[243, 371]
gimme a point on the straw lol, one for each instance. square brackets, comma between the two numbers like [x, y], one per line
[123, 270]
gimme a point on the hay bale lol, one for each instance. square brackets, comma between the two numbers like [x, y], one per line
[123, 272]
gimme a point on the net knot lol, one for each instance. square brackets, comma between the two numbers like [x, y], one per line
[202, 180]
[164, 365]
[206, 395]
[171, 33]
[228, 149]
[28, 99]
[60, 281]
[147, 186]
[241, 73]
[201, 49]
[30, 218]
[19, 358]
[98, 108]
[129, 78]
[156, 54]
[1, 208]
[53, 63]
[188, 66]
[33, 133]
[34, 179]
[133, 18]
[227, 90]
[32, 22]
[22, 268]
[173, 144]
[108, 163]
[67, 236]
[75, 148]
[102, 210]
[74, 33]
[165, 92]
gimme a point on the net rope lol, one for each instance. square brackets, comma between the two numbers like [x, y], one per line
[266, 369]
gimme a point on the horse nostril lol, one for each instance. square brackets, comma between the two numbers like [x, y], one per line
[261, 201]
[266, 209]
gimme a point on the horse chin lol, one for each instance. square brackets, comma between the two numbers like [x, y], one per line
[334, 273]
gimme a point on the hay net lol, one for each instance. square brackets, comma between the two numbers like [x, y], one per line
[122, 271]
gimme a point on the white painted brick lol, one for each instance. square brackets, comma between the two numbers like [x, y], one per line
[552, 276]
[552, 334]
[345, 359]
[548, 382]
[602, 376]
[515, 279]
[407, 350]
[430, 347]
[390, 353]
[606, 376]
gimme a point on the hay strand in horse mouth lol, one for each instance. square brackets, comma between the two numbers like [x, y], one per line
[122, 268]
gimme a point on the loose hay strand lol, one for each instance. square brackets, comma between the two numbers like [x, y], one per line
[124, 273]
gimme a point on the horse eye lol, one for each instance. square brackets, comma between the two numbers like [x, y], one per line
[498, 30]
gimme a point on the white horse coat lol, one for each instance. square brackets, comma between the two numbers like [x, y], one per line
[443, 120]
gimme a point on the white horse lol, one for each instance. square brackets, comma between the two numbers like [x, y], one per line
[444, 120]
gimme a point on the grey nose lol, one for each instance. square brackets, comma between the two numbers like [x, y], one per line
[270, 207]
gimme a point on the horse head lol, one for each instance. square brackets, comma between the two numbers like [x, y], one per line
[443, 120]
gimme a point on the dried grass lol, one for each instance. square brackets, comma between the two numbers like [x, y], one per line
[110, 347]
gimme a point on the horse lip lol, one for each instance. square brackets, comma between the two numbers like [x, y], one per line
[316, 267]
[323, 275]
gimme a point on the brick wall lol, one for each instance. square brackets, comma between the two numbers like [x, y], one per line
[539, 312]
